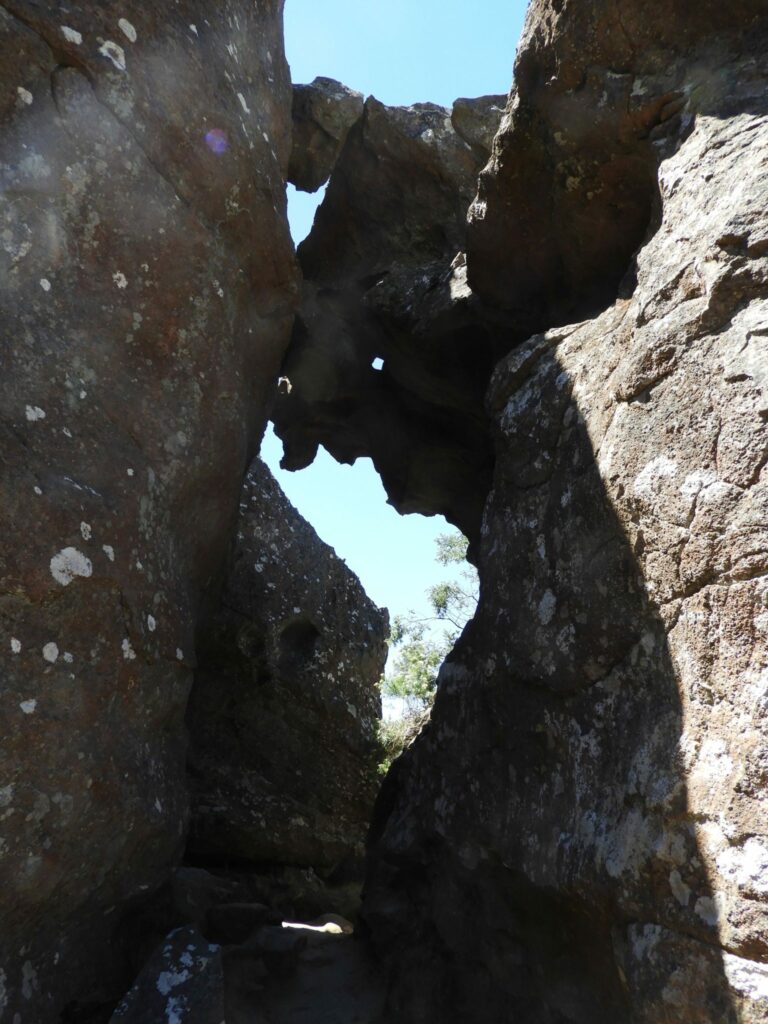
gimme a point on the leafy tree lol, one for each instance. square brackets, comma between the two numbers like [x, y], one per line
[422, 648]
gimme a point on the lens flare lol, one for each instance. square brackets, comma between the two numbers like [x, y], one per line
[216, 140]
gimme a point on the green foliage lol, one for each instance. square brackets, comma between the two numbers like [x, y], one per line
[394, 736]
[418, 660]
[421, 648]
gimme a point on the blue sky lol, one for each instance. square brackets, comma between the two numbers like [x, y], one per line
[402, 52]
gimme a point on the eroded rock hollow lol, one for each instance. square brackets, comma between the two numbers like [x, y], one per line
[544, 316]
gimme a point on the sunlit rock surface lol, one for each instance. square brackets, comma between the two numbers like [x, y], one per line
[581, 834]
[286, 701]
[391, 355]
[147, 286]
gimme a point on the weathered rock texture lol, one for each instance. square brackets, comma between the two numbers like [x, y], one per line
[323, 113]
[285, 706]
[385, 280]
[569, 192]
[147, 288]
[581, 832]
[182, 982]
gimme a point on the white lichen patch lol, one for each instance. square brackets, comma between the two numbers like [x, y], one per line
[34, 413]
[51, 652]
[71, 35]
[25, 95]
[109, 551]
[680, 890]
[696, 482]
[546, 609]
[169, 980]
[113, 53]
[127, 29]
[120, 279]
[85, 530]
[15, 645]
[28, 706]
[68, 564]
[708, 909]
[151, 623]
[746, 976]
[746, 865]
[128, 652]
[713, 764]
[28, 980]
[45, 284]
[243, 104]
[179, 654]
[648, 480]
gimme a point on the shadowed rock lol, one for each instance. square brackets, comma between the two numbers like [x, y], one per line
[323, 113]
[147, 286]
[285, 706]
[391, 354]
[608, 859]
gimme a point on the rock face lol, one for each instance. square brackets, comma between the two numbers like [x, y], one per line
[147, 287]
[581, 832]
[577, 379]
[182, 982]
[569, 192]
[323, 113]
[284, 711]
[391, 355]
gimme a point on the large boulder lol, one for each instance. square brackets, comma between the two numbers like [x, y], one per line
[391, 355]
[284, 712]
[582, 827]
[323, 113]
[147, 286]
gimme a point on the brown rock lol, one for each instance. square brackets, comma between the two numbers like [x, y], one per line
[147, 285]
[601, 92]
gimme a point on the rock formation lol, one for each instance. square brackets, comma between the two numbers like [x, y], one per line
[323, 113]
[391, 354]
[285, 706]
[147, 288]
[568, 360]
[581, 833]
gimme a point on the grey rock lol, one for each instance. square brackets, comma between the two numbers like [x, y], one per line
[383, 282]
[323, 113]
[580, 833]
[233, 923]
[477, 121]
[182, 982]
[195, 892]
[284, 711]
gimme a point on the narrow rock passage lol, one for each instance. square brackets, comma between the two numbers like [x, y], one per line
[322, 975]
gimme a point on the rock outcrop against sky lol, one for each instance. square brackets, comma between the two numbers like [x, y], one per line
[284, 713]
[547, 322]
